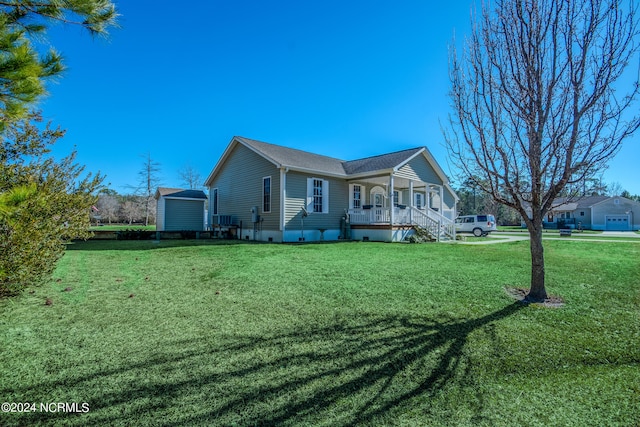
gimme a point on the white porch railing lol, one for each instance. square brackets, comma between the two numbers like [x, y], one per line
[377, 215]
[370, 216]
[438, 226]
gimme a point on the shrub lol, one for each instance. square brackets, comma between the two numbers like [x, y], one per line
[44, 203]
[135, 234]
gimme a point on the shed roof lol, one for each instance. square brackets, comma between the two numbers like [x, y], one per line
[180, 193]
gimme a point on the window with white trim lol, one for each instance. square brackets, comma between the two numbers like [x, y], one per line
[317, 195]
[266, 194]
[356, 196]
[396, 198]
[418, 200]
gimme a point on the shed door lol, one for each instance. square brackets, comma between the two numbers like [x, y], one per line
[617, 222]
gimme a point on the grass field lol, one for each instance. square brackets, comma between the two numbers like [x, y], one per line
[122, 227]
[200, 333]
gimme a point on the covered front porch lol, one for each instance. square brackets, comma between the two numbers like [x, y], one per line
[401, 203]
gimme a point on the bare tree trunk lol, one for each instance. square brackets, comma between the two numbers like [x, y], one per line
[538, 291]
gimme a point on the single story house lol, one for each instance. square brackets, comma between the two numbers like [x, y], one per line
[595, 213]
[266, 192]
[180, 210]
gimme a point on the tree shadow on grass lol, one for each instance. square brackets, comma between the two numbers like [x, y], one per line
[355, 371]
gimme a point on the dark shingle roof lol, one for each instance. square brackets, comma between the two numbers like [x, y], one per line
[580, 202]
[284, 156]
[381, 162]
[181, 193]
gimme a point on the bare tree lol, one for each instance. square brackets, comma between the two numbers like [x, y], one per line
[148, 182]
[615, 189]
[108, 206]
[541, 102]
[132, 208]
[190, 177]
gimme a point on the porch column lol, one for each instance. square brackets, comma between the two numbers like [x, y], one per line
[411, 201]
[442, 200]
[428, 196]
[391, 212]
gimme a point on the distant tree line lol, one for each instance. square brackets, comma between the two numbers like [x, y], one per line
[114, 208]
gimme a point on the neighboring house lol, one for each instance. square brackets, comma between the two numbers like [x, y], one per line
[180, 210]
[262, 191]
[595, 213]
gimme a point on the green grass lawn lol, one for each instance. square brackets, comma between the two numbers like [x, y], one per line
[200, 333]
[122, 227]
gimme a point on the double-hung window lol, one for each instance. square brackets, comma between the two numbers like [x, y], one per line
[266, 194]
[356, 196]
[317, 195]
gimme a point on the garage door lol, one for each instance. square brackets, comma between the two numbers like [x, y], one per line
[617, 222]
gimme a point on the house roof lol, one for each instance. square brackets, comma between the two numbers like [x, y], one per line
[380, 162]
[572, 203]
[291, 157]
[285, 157]
[180, 193]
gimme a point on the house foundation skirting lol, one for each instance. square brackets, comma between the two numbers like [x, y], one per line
[372, 233]
[381, 232]
[261, 235]
[311, 235]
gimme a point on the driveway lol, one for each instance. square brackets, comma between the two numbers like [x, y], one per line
[498, 238]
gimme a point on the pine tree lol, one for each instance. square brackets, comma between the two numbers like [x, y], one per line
[43, 202]
[23, 71]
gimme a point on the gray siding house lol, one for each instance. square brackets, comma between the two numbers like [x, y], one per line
[612, 213]
[180, 210]
[266, 192]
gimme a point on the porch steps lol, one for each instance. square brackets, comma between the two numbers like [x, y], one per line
[431, 235]
[435, 226]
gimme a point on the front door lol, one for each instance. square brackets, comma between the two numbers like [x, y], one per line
[379, 201]
[378, 198]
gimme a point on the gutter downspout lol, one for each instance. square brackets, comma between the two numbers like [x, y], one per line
[283, 197]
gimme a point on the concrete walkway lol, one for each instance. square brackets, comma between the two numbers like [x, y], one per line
[620, 234]
[497, 238]
[505, 236]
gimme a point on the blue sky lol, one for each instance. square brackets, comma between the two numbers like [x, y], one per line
[344, 79]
